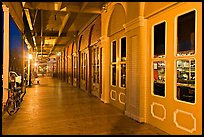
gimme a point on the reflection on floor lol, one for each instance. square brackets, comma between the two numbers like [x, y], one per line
[53, 107]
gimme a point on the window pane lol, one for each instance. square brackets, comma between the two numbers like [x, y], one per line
[159, 40]
[114, 74]
[186, 34]
[97, 55]
[123, 75]
[159, 78]
[123, 49]
[186, 80]
[97, 74]
[93, 74]
[114, 51]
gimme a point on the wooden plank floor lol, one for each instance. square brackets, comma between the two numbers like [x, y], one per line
[54, 108]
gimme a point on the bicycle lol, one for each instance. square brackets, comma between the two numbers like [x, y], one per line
[14, 99]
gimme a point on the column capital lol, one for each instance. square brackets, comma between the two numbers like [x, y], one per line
[104, 38]
[5, 8]
[137, 22]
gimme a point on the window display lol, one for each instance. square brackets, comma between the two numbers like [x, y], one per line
[82, 66]
[114, 74]
[123, 75]
[186, 80]
[159, 78]
[95, 65]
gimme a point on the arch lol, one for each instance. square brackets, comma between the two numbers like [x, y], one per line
[90, 34]
[117, 19]
[80, 40]
[72, 46]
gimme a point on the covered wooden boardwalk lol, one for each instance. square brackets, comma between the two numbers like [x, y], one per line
[54, 108]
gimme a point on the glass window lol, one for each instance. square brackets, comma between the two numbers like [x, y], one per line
[85, 63]
[186, 34]
[82, 65]
[97, 55]
[123, 75]
[186, 80]
[159, 40]
[123, 49]
[159, 78]
[114, 74]
[114, 51]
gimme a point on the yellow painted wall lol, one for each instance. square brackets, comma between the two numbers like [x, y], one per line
[169, 114]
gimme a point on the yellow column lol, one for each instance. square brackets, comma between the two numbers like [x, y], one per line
[5, 54]
[105, 69]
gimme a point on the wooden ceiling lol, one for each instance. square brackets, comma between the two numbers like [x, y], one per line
[52, 25]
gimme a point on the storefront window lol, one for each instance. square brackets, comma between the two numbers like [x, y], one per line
[186, 34]
[159, 40]
[82, 66]
[95, 65]
[85, 64]
[186, 80]
[159, 78]
[123, 75]
[114, 74]
[122, 62]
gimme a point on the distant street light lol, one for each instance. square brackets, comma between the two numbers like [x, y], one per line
[35, 64]
[58, 53]
[30, 56]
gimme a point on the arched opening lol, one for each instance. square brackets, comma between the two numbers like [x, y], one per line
[80, 60]
[116, 33]
[117, 20]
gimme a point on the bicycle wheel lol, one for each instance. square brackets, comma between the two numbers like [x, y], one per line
[11, 107]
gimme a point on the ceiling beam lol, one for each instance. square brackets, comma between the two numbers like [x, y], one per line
[57, 6]
[36, 13]
[93, 10]
[84, 4]
[68, 22]
[64, 22]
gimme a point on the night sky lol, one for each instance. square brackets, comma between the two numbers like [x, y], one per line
[15, 42]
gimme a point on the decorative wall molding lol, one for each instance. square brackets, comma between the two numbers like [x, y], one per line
[120, 98]
[113, 91]
[181, 127]
[152, 112]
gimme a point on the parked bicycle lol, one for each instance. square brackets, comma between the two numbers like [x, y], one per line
[15, 97]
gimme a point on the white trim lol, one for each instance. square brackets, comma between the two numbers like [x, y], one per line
[120, 99]
[152, 112]
[181, 127]
[112, 96]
